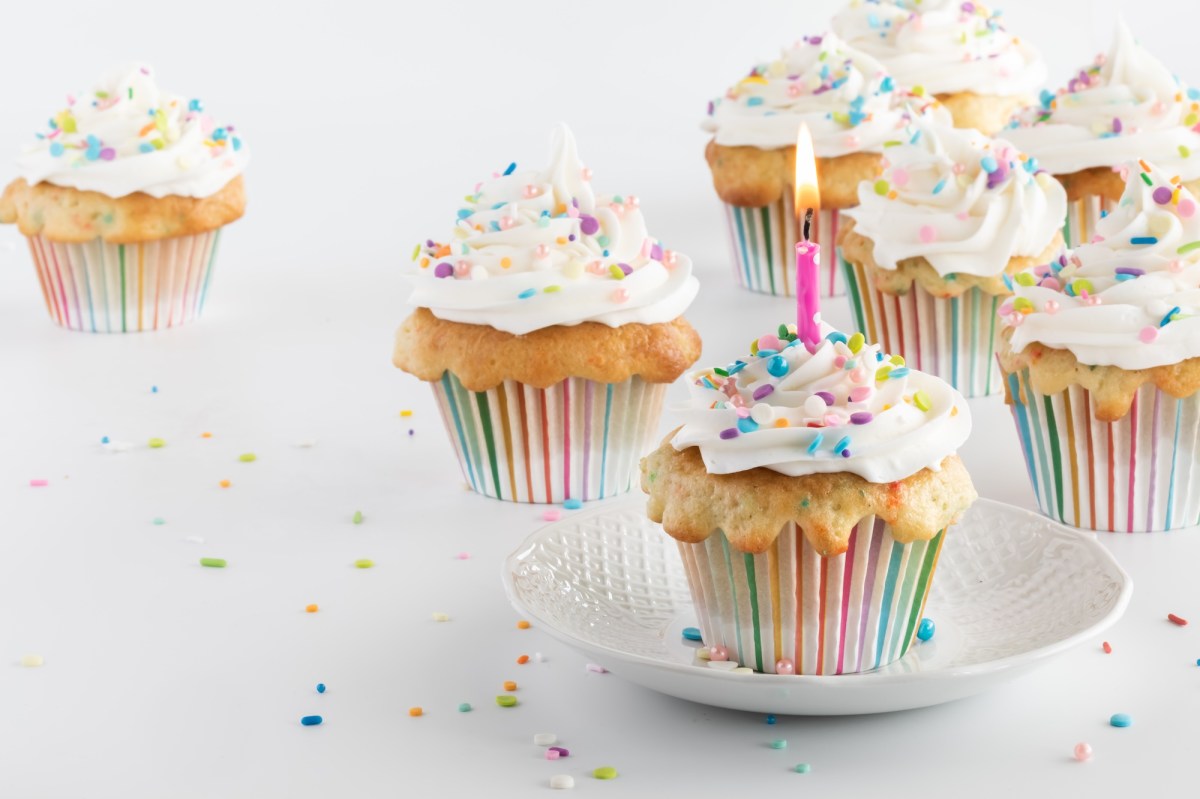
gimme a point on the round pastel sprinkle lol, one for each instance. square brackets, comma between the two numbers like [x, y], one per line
[562, 781]
[32, 661]
[357, 518]
[156, 443]
[926, 629]
[545, 739]
[771, 718]
[691, 633]
[247, 457]
[1186, 208]
[159, 520]
[1083, 752]
[588, 225]
[572, 503]
[560, 751]
[415, 711]
[1162, 195]
[526, 294]
[928, 234]
[802, 768]
[363, 563]
[605, 773]
[311, 721]
[922, 400]
[779, 743]
[1121, 720]
[989, 164]
[861, 417]
[506, 700]
[464, 707]
[320, 687]
[1148, 334]
[443, 269]
[881, 187]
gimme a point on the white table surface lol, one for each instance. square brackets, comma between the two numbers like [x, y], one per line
[165, 679]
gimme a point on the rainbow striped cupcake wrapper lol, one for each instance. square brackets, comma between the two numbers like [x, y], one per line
[764, 248]
[1134, 475]
[828, 615]
[952, 337]
[97, 287]
[578, 439]
[1082, 216]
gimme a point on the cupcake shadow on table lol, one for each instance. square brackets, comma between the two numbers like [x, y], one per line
[549, 326]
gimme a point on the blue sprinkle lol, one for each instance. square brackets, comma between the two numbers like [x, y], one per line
[1008, 281]
[144, 147]
[494, 225]
[778, 367]
[1193, 94]
[153, 389]
[1103, 213]
[843, 444]
[691, 633]
[1144, 240]
[1031, 165]
[104, 440]
[320, 687]
[765, 353]
[855, 117]
[511, 168]
[311, 721]
[916, 137]
[837, 336]
[543, 221]
[1121, 720]
[747, 425]
[754, 101]
[1122, 278]
[736, 367]
[463, 213]
[898, 372]
[526, 294]
[195, 105]
[56, 148]
[572, 504]
[989, 164]
[886, 85]
[926, 630]
[1047, 97]
[941, 184]
[1170, 317]
[219, 134]
[816, 442]
[771, 718]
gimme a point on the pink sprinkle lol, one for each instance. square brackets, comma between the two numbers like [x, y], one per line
[832, 421]
[962, 215]
[769, 342]
[858, 375]
[620, 295]
[1148, 334]
[1006, 308]
[793, 90]
[1175, 266]
[860, 394]
[899, 176]
[1083, 752]
[1051, 283]
[596, 668]
[39, 482]
[928, 234]
[1186, 208]
[586, 173]
[463, 555]
[839, 361]
[670, 259]
[552, 754]
[552, 515]
[1051, 306]
[852, 142]
[958, 169]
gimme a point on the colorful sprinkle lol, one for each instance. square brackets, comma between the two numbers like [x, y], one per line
[1144, 240]
[779, 743]
[691, 633]
[1179, 620]
[605, 773]
[926, 629]
[156, 443]
[213, 563]
[464, 707]
[1121, 720]
[1107, 648]
[320, 687]
[364, 563]
[415, 711]
[1083, 752]
[802, 768]
[311, 721]
[526, 294]
[523, 625]
[32, 661]
[311, 608]
[922, 400]
[572, 503]
[505, 700]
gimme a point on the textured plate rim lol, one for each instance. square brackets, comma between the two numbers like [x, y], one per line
[831, 682]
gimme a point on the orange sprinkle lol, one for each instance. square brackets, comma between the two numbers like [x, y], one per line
[1145, 167]
[310, 608]
[224, 484]
[442, 251]
[781, 422]
[892, 195]
[954, 411]
[506, 262]
[146, 129]
[415, 711]
[521, 661]
[424, 263]
[1107, 648]
[509, 685]
[206, 435]
[559, 209]
[522, 625]
[561, 240]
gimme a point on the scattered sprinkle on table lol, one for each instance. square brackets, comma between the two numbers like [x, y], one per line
[311, 721]
[926, 629]
[194, 539]
[159, 520]
[39, 482]
[32, 661]
[213, 563]
[522, 625]
[463, 556]
[551, 754]
[552, 515]
[605, 773]
[1121, 720]
[1083, 752]
[545, 739]
[363, 563]
[562, 781]
[464, 707]
[104, 439]
[504, 700]
[224, 484]
[779, 743]
[206, 435]
[157, 443]
[509, 685]
[691, 633]
[802, 768]
[522, 660]
[153, 389]
[357, 517]
[572, 504]
[441, 617]
[596, 668]
[320, 687]
[1107, 648]
[1171, 617]
[406, 413]
[311, 608]
[561, 752]
[771, 718]
[247, 457]
[415, 711]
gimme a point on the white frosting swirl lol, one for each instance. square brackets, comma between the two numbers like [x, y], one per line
[847, 100]
[1126, 106]
[128, 136]
[964, 202]
[1131, 298]
[535, 249]
[845, 407]
[944, 46]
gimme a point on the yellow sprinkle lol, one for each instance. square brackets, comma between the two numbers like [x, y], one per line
[416, 251]
[506, 262]
[509, 685]
[898, 360]
[424, 263]
[206, 435]
[157, 443]
[441, 617]
[759, 79]
[1190, 119]
[32, 661]
[856, 342]
[406, 413]
[247, 457]
[561, 240]
[552, 289]
[224, 484]
[887, 405]
[616, 272]
[882, 373]
[954, 411]
[363, 563]
[918, 91]
[922, 401]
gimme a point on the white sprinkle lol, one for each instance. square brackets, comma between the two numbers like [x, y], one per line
[118, 446]
[743, 670]
[441, 617]
[703, 653]
[545, 739]
[562, 781]
[596, 668]
[307, 443]
[194, 539]
[32, 661]
[539, 657]
[723, 665]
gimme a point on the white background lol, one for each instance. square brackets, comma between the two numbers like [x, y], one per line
[366, 125]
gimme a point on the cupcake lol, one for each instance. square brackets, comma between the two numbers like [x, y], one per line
[930, 249]
[957, 51]
[549, 325]
[810, 493]
[1126, 106]
[1101, 354]
[123, 199]
[852, 109]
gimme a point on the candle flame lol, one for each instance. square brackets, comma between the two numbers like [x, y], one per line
[806, 194]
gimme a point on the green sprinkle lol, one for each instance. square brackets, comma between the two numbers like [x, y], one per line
[1146, 179]
[159, 520]
[102, 95]
[213, 563]
[881, 187]
[357, 517]
[416, 251]
[157, 443]
[465, 707]
[782, 332]
[506, 700]
[856, 343]
[804, 502]
[1184, 152]
[802, 768]
[247, 457]
[1191, 245]
[605, 773]
[722, 372]
[898, 360]
[1024, 303]
[616, 272]
[882, 372]
[779, 743]
[363, 563]
[552, 289]
[1025, 279]
[922, 401]
[893, 143]
[1083, 284]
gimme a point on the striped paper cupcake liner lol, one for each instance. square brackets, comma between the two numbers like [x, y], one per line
[578, 439]
[952, 337]
[1134, 475]
[828, 615]
[764, 248]
[1082, 216]
[96, 287]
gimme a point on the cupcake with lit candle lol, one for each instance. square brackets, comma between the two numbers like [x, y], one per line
[810, 490]
[852, 108]
[1101, 354]
[1126, 105]
[549, 324]
[931, 250]
[123, 199]
[957, 51]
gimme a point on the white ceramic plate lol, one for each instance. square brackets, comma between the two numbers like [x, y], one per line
[1012, 590]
